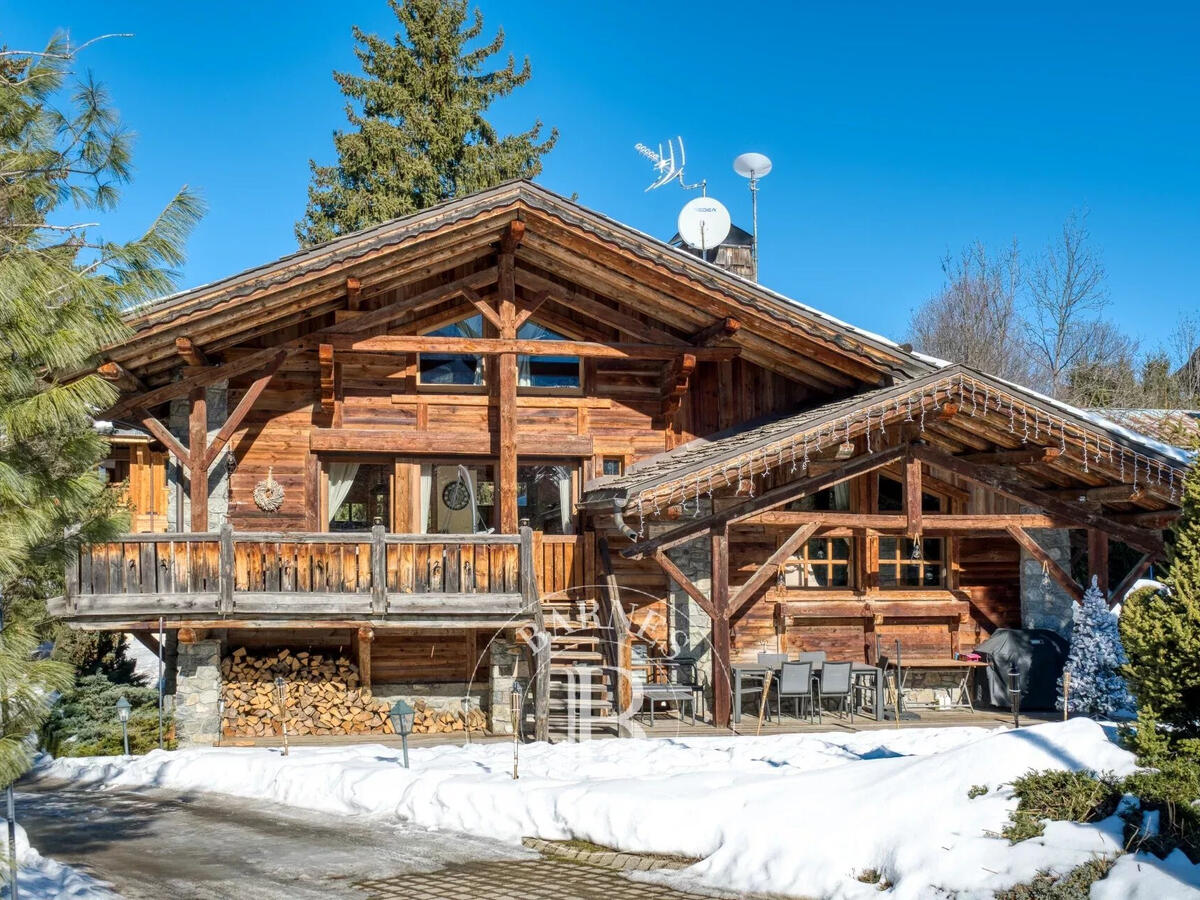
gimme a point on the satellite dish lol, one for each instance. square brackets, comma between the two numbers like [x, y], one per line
[704, 223]
[752, 165]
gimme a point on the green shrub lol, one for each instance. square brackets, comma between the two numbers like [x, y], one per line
[1075, 885]
[1060, 796]
[1172, 789]
[84, 721]
[976, 790]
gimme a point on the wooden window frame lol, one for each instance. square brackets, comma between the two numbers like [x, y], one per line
[805, 560]
[385, 461]
[877, 562]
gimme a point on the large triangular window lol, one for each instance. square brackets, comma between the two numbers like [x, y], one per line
[549, 372]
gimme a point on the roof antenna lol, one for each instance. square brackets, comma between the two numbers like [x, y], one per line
[753, 166]
[704, 221]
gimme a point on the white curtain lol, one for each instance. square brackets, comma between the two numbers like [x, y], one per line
[841, 495]
[426, 490]
[341, 479]
[564, 498]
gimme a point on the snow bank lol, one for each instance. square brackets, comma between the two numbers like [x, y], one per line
[791, 814]
[39, 878]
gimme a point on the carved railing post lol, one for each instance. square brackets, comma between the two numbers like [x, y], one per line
[225, 571]
[378, 571]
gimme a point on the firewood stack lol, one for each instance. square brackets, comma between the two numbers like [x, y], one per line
[323, 696]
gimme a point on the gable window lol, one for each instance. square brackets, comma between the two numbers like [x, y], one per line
[823, 562]
[454, 368]
[905, 563]
[547, 372]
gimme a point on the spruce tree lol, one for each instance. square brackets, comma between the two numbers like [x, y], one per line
[418, 134]
[1161, 630]
[1095, 660]
[63, 287]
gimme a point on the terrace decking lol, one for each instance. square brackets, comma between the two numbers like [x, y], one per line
[246, 578]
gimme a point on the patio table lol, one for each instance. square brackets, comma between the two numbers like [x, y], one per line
[753, 671]
[961, 692]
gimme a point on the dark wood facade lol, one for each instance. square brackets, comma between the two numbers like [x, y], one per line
[621, 399]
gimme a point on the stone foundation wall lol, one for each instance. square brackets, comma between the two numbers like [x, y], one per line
[689, 626]
[1043, 603]
[455, 697]
[504, 656]
[197, 691]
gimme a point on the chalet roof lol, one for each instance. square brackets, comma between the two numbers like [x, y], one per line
[1177, 427]
[217, 310]
[721, 456]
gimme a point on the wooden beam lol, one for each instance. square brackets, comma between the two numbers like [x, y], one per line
[912, 496]
[485, 308]
[721, 649]
[328, 382]
[676, 378]
[898, 522]
[353, 293]
[512, 237]
[197, 446]
[234, 422]
[1139, 569]
[746, 593]
[1011, 484]
[126, 382]
[404, 343]
[506, 382]
[531, 306]
[768, 499]
[365, 635]
[1109, 493]
[720, 330]
[164, 436]
[685, 584]
[190, 352]
[450, 441]
[1049, 563]
[1097, 551]
[149, 641]
[1014, 457]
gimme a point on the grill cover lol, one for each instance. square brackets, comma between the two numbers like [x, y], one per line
[1038, 654]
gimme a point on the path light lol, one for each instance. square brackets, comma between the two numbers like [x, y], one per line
[281, 689]
[402, 716]
[123, 708]
[518, 693]
[220, 718]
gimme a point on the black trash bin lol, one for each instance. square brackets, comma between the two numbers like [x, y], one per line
[1038, 654]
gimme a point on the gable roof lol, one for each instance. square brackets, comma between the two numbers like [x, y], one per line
[728, 457]
[314, 279]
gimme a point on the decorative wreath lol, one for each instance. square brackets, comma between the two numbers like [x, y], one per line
[268, 494]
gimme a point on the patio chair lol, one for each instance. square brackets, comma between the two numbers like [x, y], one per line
[835, 684]
[795, 681]
[772, 660]
[812, 656]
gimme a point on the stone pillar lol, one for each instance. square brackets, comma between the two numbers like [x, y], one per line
[179, 508]
[1043, 603]
[504, 654]
[690, 628]
[197, 689]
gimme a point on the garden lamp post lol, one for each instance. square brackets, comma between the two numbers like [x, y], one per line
[515, 713]
[220, 718]
[1014, 694]
[402, 716]
[123, 708]
[281, 690]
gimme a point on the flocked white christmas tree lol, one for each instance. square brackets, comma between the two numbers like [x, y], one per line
[1096, 687]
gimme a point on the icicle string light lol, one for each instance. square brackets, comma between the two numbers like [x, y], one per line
[762, 461]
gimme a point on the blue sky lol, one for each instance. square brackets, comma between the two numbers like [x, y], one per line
[898, 131]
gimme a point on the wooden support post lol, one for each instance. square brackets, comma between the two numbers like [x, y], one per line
[378, 570]
[225, 570]
[1098, 558]
[722, 688]
[746, 593]
[1139, 569]
[197, 445]
[506, 389]
[366, 634]
[912, 497]
[685, 584]
[618, 629]
[541, 640]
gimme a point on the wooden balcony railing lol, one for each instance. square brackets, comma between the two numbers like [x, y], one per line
[256, 575]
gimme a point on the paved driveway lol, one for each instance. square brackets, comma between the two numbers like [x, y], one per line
[205, 847]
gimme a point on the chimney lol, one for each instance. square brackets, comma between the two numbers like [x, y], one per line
[735, 254]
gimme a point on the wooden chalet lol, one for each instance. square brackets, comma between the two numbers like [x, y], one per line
[509, 435]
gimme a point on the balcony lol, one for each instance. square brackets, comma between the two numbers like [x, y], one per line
[229, 578]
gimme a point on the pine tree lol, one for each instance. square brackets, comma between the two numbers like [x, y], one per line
[419, 136]
[62, 290]
[1161, 629]
[1095, 660]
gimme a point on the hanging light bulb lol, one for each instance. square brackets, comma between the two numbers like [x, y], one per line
[916, 549]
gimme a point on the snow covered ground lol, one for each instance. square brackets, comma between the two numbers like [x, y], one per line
[39, 878]
[804, 814]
